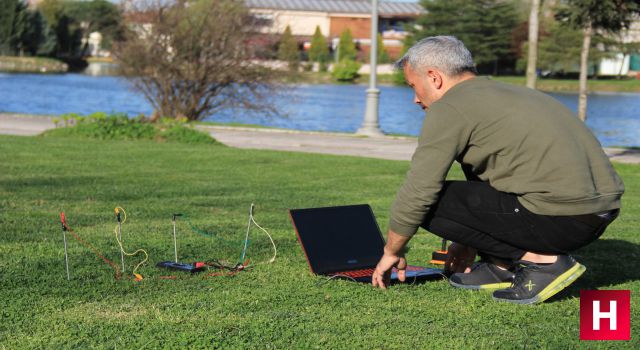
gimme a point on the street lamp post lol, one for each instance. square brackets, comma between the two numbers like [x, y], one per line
[370, 125]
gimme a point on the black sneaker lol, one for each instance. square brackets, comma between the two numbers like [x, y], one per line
[535, 283]
[483, 275]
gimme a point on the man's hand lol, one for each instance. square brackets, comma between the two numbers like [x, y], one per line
[460, 258]
[381, 277]
[393, 257]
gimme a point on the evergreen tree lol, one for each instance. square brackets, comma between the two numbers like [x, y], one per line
[34, 34]
[96, 15]
[13, 23]
[288, 50]
[485, 27]
[346, 47]
[383, 56]
[318, 52]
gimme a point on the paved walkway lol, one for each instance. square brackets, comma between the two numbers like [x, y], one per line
[388, 147]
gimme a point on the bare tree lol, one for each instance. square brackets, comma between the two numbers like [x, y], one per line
[533, 44]
[192, 58]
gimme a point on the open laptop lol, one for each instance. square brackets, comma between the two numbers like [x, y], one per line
[346, 242]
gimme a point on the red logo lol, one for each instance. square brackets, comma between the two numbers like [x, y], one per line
[605, 315]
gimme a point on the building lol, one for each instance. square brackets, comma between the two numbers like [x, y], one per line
[624, 63]
[333, 17]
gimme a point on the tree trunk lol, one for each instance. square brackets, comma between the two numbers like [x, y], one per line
[533, 44]
[624, 55]
[584, 70]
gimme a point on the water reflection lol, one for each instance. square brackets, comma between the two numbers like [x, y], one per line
[101, 69]
[614, 117]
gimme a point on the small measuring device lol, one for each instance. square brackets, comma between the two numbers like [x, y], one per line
[175, 265]
[439, 257]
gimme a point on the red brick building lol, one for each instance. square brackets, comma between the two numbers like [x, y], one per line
[334, 16]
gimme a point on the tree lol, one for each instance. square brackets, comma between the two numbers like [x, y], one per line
[559, 49]
[533, 44]
[96, 15]
[57, 21]
[319, 52]
[191, 59]
[288, 50]
[346, 47]
[13, 23]
[33, 37]
[485, 26]
[383, 56]
[592, 16]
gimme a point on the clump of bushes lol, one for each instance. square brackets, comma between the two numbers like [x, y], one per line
[119, 126]
[346, 70]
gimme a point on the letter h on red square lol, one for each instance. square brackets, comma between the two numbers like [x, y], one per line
[605, 315]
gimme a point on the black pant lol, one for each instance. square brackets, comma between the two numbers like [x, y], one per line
[496, 224]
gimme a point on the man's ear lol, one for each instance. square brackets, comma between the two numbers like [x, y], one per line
[435, 77]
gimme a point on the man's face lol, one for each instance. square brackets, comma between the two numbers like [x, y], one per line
[424, 86]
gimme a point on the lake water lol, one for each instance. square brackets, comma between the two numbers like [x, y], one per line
[613, 117]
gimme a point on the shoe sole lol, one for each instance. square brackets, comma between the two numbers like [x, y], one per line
[491, 286]
[560, 283]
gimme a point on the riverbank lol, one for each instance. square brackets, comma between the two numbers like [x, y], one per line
[548, 85]
[10, 64]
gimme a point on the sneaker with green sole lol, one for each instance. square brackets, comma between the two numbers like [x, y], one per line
[535, 283]
[483, 275]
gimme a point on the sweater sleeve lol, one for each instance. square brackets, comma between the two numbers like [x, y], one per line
[445, 134]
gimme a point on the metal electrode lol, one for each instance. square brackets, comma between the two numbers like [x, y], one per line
[64, 238]
[120, 236]
[175, 241]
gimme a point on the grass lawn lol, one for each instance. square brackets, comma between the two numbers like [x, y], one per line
[571, 85]
[15, 64]
[277, 305]
[544, 84]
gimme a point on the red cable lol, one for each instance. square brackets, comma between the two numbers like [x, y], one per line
[115, 267]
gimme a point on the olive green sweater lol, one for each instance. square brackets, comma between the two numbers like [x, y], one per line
[520, 141]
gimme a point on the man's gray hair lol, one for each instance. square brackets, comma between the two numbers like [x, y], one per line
[445, 53]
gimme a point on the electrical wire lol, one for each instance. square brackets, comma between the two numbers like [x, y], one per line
[146, 256]
[115, 267]
[245, 243]
[205, 233]
[252, 220]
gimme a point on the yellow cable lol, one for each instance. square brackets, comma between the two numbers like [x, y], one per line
[146, 256]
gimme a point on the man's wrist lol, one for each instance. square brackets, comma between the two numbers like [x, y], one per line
[393, 251]
[395, 244]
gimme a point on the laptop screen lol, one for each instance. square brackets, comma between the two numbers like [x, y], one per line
[339, 238]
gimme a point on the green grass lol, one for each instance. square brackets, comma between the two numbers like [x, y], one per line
[571, 85]
[277, 305]
[15, 64]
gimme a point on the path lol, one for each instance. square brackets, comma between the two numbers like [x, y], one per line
[388, 147]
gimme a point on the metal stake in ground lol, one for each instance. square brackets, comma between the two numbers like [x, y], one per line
[120, 235]
[64, 238]
[246, 239]
[175, 241]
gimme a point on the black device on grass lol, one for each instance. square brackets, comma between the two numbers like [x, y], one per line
[346, 241]
[180, 266]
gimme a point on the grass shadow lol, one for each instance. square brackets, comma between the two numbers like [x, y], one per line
[609, 262]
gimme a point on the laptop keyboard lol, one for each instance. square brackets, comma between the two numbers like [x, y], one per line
[369, 272]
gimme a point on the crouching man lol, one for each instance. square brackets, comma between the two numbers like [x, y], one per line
[539, 184]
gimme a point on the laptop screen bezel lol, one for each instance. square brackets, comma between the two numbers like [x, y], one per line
[326, 268]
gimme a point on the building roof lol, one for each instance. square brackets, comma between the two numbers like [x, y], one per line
[338, 6]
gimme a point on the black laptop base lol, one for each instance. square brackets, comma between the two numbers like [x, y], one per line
[412, 277]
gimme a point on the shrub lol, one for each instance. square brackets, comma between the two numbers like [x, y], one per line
[398, 77]
[120, 127]
[346, 70]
